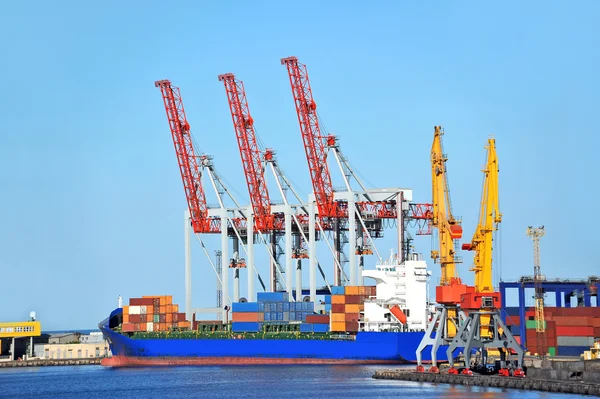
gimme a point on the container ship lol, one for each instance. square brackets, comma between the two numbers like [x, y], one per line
[377, 324]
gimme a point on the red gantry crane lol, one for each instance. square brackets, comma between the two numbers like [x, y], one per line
[188, 161]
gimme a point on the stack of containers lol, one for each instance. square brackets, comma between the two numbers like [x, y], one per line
[569, 331]
[346, 304]
[272, 307]
[316, 323]
[327, 302]
[246, 317]
[153, 313]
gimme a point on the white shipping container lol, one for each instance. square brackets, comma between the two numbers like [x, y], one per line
[149, 326]
[143, 309]
[134, 310]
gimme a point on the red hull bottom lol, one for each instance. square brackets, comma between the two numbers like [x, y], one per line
[128, 361]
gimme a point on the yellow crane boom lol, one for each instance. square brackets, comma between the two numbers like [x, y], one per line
[489, 218]
[449, 229]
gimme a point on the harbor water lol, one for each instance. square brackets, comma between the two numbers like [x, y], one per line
[232, 382]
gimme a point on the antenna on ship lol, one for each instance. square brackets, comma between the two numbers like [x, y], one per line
[120, 301]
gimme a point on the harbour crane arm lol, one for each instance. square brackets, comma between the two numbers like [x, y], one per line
[249, 151]
[489, 219]
[189, 163]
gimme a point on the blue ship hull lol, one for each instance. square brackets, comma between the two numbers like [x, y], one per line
[367, 347]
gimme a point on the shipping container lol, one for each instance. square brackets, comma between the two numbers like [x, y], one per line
[149, 309]
[156, 318]
[351, 326]
[338, 290]
[317, 319]
[354, 308]
[338, 308]
[279, 306]
[306, 328]
[352, 290]
[328, 307]
[246, 327]
[338, 317]
[244, 307]
[169, 318]
[156, 303]
[184, 324]
[134, 309]
[532, 324]
[354, 299]
[571, 350]
[338, 326]
[135, 318]
[143, 318]
[286, 306]
[140, 301]
[597, 332]
[162, 318]
[573, 321]
[321, 328]
[327, 299]
[574, 331]
[575, 341]
[125, 318]
[127, 327]
[271, 296]
[338, 299]
[351, 317]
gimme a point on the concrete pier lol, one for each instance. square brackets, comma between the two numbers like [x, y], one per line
[51, 362]
[527, 383]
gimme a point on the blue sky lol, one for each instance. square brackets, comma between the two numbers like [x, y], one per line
[92, 199]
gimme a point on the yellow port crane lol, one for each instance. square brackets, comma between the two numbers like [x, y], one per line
[483, 327]
[447, 318]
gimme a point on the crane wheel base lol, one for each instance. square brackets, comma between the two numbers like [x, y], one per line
[420, 369]
[504, 373]
[434, 369]
[467, 372]
[453, 370]
[519, 373]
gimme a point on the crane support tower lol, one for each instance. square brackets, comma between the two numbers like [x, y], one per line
[448, 316]
[538, 278]
[483, 327]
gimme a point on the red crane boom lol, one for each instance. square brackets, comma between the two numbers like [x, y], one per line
[314, 143]
[187, 159]
[249, 151]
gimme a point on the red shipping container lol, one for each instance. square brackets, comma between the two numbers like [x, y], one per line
[574, 331]
[317, 319]
[156, 302]
[581, 311]
[513, 321]
[338, 308]
[162, 318]
[353, 299]
[143, 318]
[127, 327]
[140, 301]
[351, 326]
[596, 332]
[135, 318]
[182, 317]
[351, 317]
[573, 321]
[596, 322]
[175, 317]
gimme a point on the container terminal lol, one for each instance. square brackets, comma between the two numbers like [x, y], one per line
[365, 315]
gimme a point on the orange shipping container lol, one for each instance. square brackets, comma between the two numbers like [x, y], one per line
[596, 322]
[338, 317]
[338, 299]
[163, 301]
[175, 308]
[125, 309]
[573, 321]
[169, 318]
[246, 316]
[163, 309]
[125, 318]
[352, 290]
[184, 324]
[149, 309]
[338, 326]
[353, 308]
[169, 300]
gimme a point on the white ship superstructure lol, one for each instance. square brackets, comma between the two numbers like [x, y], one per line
[398, 283]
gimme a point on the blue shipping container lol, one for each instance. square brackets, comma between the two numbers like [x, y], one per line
[321, 328]
[327, 299]
[308, 306]
[261, 307]
[306, 327]
[337, 290]
[242, 326]
[279, 316]
[292, 316]
[279, 306]
[286, 306]
[271, 296]
[244, 307]
[571, 350]
[328, 307]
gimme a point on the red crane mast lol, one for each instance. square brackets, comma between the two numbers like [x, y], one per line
[188, 161]
[314, 142]
[249, 151]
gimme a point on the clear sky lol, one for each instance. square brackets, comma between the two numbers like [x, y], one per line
[92, 204]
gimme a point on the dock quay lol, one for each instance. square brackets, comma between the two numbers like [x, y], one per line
[51, 362]
[563, 377]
